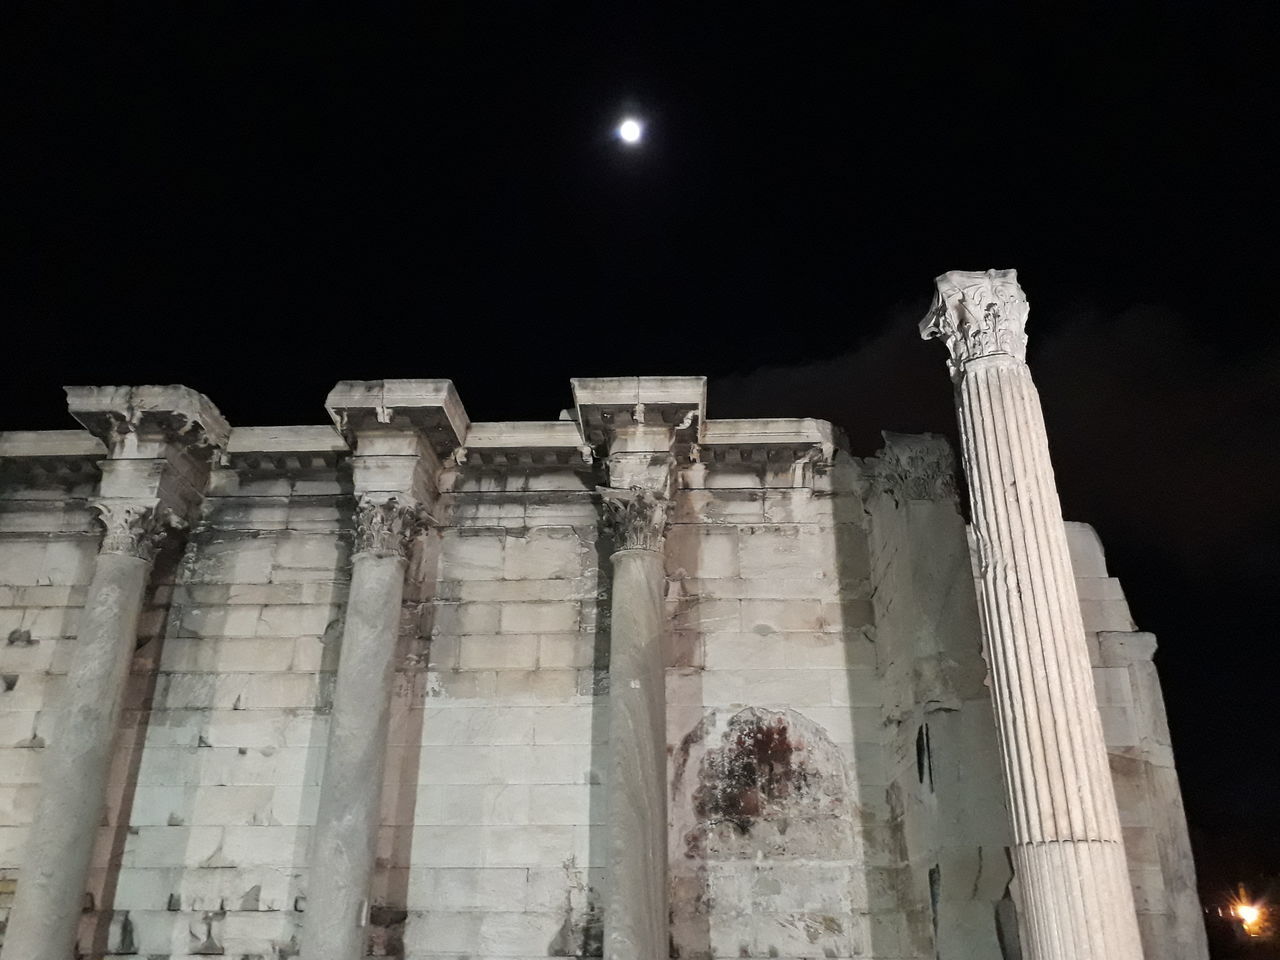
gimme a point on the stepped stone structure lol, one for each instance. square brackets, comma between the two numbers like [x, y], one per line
[633, 683]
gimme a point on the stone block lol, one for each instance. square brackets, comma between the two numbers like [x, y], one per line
[68, 561]
[481, 725]
[1117, 726]
[475, 554]
[217, 621]
[534, 845]
[565, 804]
[539, 617]
[297, 619]
[1119, 649]
[1100, 615]
[537, 686]
[732, 650]
[1099, 588]
[546, 553]
[1087, 556]
[569, 724]
[566, 650]
[704, 616]
[240, 560]
[306, 551]
[781, 552]
[776, 616]
[225, 655]
[461, 619]
[702, 551]
[500, 652]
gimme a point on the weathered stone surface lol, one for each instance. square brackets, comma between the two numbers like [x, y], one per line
[809, 743]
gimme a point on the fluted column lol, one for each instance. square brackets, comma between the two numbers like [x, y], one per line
[347, 821]
[636, 910]
[1077, 902]
[159, 442]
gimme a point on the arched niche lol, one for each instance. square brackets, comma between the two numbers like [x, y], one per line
[766, 853]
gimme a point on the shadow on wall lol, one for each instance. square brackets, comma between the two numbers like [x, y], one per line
[104, 928]
[581, 932]
[217, 771]
[937, 824]
[393, 877]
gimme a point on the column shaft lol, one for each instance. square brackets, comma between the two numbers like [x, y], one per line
[1069, 853]
[636, 910]
[347, 821]
[49, 898]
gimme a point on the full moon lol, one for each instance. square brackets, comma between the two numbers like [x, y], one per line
[630, 130]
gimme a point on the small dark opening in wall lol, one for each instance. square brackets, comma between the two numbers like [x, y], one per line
[20, 638]
[935, 894]
[924, 755]
[10, 681]
[928, 754]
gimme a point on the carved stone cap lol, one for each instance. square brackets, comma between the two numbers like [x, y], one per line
[978, 314]
[636, 519]
[387, 526]
[134, 528]
[120, 416]
[673, 406]
[915, 467]
[429, 407]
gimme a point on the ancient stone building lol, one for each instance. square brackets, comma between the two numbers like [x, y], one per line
[633, 683]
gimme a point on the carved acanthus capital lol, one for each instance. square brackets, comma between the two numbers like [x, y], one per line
[636, 518]
[978, 314]
[387, 526]
[915, 467]
[134, 528]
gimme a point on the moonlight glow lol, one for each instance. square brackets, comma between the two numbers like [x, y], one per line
[630, 131]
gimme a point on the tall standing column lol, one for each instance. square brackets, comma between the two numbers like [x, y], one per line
[1069, 856]
[645, 427]
[398, 430]
[341, 866]
[159, 443]
[636, 910]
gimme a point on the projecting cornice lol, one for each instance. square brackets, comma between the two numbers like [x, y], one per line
[607, 404]
[128, 420]
[524, 443]
[49, 458]
[429, 407]
[781, 440]
[284, 450]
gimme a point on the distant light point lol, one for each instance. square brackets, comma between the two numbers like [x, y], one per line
[630, 131]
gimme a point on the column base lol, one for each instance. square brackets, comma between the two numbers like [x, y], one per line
[1077, 903]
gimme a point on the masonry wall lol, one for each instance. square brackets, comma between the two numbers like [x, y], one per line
[498, 734]
[774, 720]
[941, 818]
[1142, 767]
[833, 780]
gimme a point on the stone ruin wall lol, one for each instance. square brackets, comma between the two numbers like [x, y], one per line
[834, 783]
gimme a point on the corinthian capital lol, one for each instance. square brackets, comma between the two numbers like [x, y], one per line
[387, 527]
[134, 528]
[636, 518]
[978, 315]
[915, 467]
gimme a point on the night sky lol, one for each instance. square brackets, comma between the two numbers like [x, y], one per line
[259, 200]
